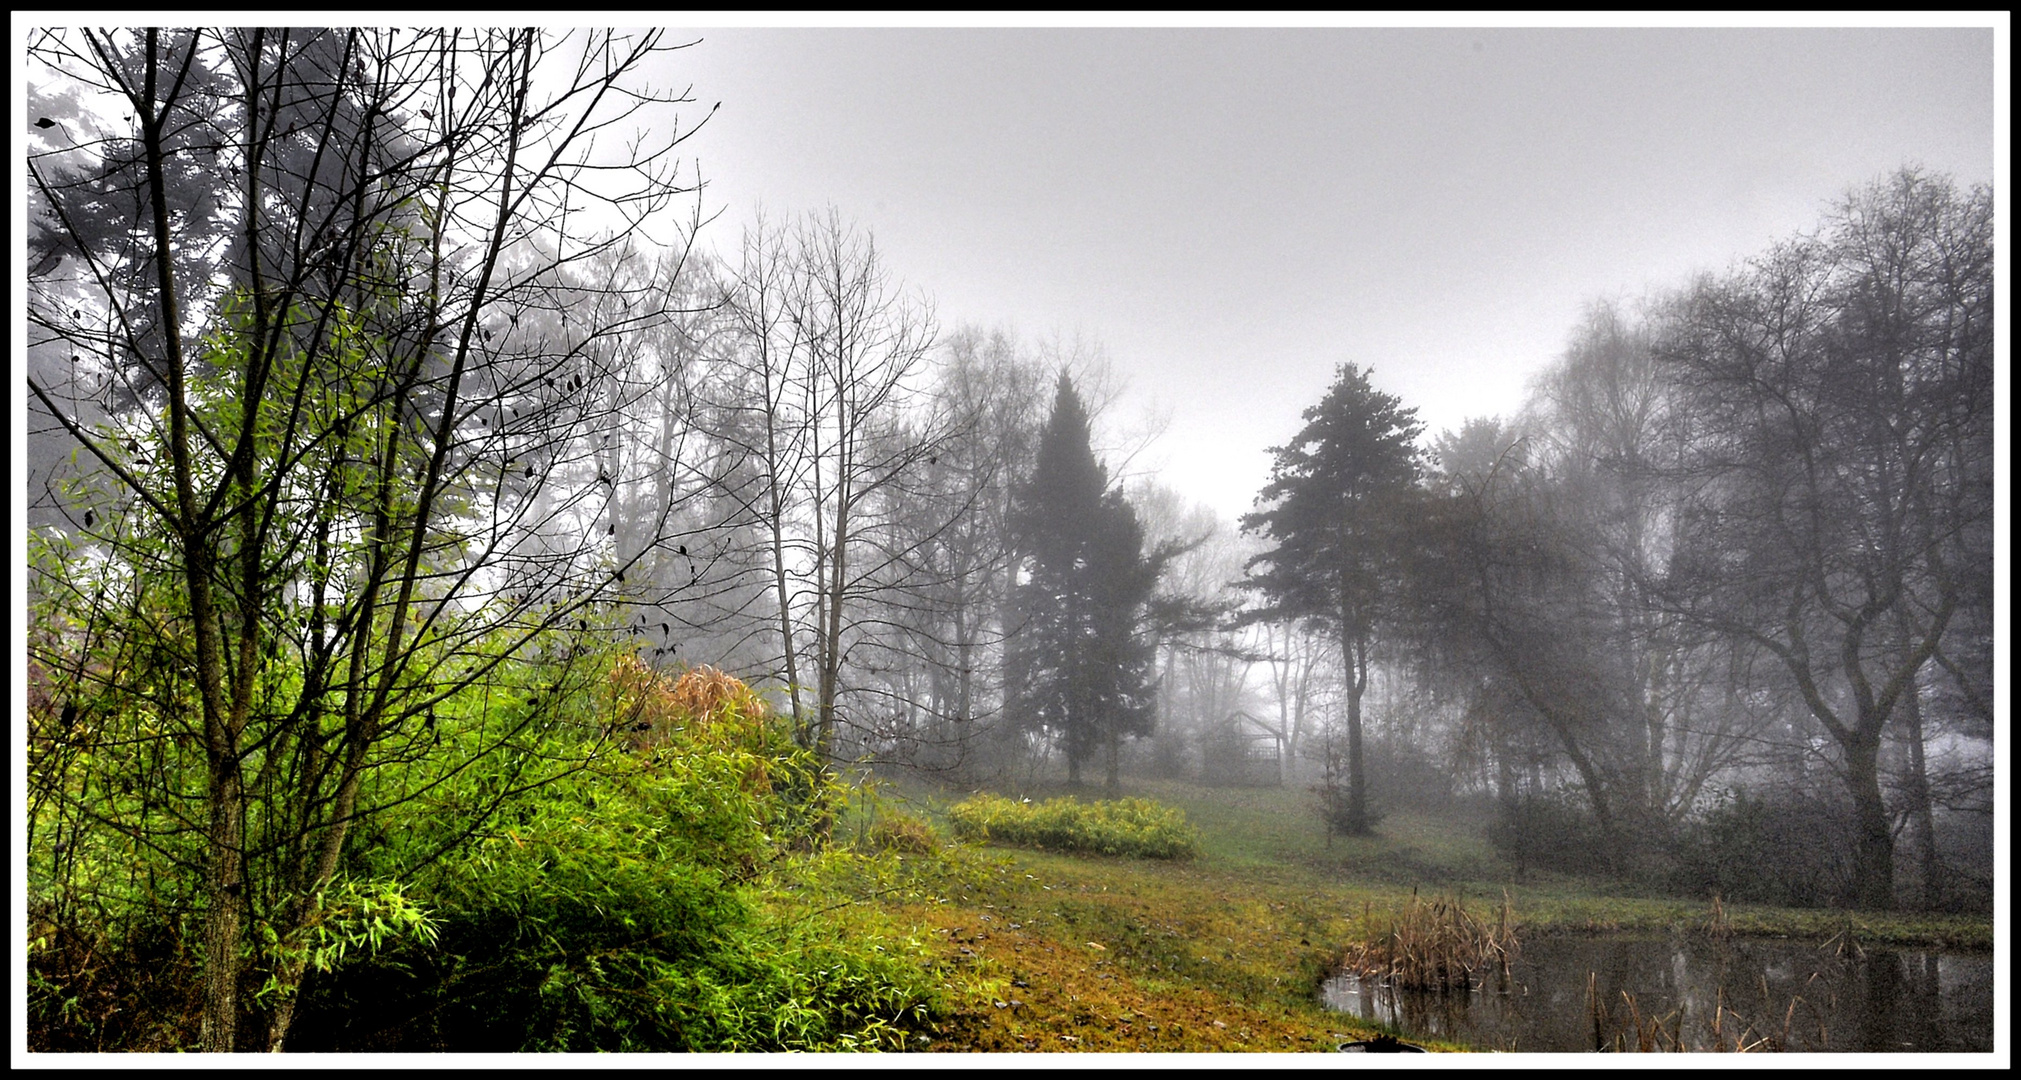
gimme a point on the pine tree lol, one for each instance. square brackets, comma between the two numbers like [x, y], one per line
[1336, 503]
[1079, 665]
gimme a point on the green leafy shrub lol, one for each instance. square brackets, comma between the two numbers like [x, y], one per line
[1140, 827]
[620, 907]
[575, 952]
[1785, 847]
[1549, 830]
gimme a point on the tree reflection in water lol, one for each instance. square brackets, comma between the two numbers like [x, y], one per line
[1758, 994]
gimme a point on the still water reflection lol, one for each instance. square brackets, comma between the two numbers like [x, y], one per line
[1797, 996]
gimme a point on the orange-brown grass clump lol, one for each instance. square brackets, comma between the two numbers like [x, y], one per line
[712, 732]
[704, 709]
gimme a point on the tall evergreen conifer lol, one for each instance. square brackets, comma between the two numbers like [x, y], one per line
[1079, 667]
[1336, 510]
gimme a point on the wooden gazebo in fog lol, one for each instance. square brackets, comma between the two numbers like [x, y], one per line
[1246, 752]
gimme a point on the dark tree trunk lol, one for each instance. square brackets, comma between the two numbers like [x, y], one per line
[1112, 754]
[1357, 795]
[225, 889]
[1873, 885]
[1922, 817]
[1355, 655]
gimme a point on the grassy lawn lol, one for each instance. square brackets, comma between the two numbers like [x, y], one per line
[1226, 952]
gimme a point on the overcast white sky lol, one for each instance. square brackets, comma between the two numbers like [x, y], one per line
[1234, 212]
[1231, 213]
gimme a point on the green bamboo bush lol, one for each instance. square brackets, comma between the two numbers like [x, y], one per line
[627, 906]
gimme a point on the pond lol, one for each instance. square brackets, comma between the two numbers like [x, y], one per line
[1690, 992]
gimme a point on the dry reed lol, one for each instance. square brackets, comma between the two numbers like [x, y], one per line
[1845, 944]
[1435, 945]
[1718, 923]
[1727, 1032]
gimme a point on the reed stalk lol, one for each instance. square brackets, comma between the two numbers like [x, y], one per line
[1435, 945]
[1718, 923]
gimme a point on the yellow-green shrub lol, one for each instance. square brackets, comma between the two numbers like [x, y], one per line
[1140, 827]
[901, 833]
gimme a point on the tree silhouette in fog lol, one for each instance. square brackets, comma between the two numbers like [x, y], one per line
[1333, 509]
[1080, 667]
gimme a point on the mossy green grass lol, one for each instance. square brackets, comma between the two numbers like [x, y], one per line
[1226, 951]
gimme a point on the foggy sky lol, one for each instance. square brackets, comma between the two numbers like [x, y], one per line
[1233, 212]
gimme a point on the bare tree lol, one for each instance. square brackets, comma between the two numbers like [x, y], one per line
[828, 358]
[761, 403]
[1298, 663]
[321, 283]
[1840, 454]
[1206, 662]
[945, 537]
[1601, 438]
